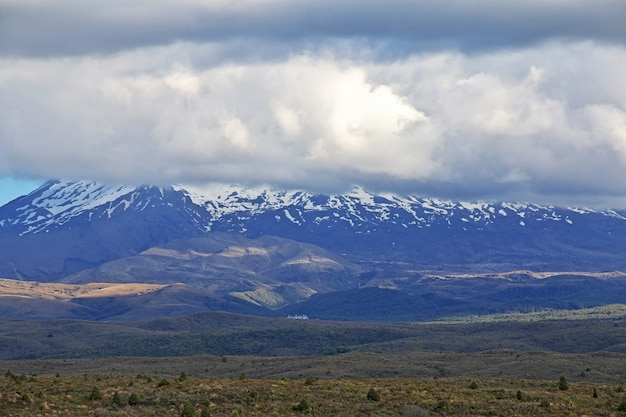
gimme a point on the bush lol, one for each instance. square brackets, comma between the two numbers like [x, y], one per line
[563, 385]
[443, 405]
[188, 410]
[303, 405]
[373, 395]
[133, 399]
[118, 400]
[95, 394]
[163, 383]
[473, 385]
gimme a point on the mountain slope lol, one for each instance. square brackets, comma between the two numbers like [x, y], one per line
[263, 251]
[62, 228]
[426, 232]
[268, 271]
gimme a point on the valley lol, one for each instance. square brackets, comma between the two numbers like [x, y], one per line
[221, 333]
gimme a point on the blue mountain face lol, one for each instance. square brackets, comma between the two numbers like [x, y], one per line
[63, 227]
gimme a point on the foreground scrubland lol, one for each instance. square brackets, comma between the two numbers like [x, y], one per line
[145, 395]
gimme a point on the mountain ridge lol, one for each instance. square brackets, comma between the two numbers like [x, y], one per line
[358, 224]
[264, 251]
[41, 209]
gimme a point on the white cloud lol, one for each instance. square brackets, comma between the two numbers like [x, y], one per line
[307, 96]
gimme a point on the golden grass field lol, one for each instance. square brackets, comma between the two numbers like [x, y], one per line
[56, 291]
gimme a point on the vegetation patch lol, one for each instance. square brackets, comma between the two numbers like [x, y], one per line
[97, 395]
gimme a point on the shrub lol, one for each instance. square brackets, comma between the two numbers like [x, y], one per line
[118, 400]
[303, 405]
[373, 395]
[473, 385]
[563, 385]
[188, 410]
[163, 383]
[133, 399]
[443, 405]
[95, 394]
[501, 395]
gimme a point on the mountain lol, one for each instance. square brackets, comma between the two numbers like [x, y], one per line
[360, 225]
[61, 228]
[264, 251]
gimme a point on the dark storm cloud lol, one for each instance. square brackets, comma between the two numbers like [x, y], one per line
[44, 28]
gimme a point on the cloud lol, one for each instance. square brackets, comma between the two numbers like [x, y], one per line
[299, 115]
[472, 100]
[70, 27]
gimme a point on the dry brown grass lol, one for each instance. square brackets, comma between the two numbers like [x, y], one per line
[53, 291]
[69, 396]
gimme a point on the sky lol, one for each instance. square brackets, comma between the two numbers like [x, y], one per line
[523, 100]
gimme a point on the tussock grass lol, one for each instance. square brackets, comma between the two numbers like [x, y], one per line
[143, 395]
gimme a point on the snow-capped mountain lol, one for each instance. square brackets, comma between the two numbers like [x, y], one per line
[56, 205]
[61, 204]
[364, 211]
[82, 224]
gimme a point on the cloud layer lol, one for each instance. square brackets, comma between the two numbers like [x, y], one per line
[454, 100]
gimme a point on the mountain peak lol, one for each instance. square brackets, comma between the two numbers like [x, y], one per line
[359, 223]
[56, 203]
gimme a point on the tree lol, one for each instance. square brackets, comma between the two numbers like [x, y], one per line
[95, 394]
[563, 385]
[118, 400]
